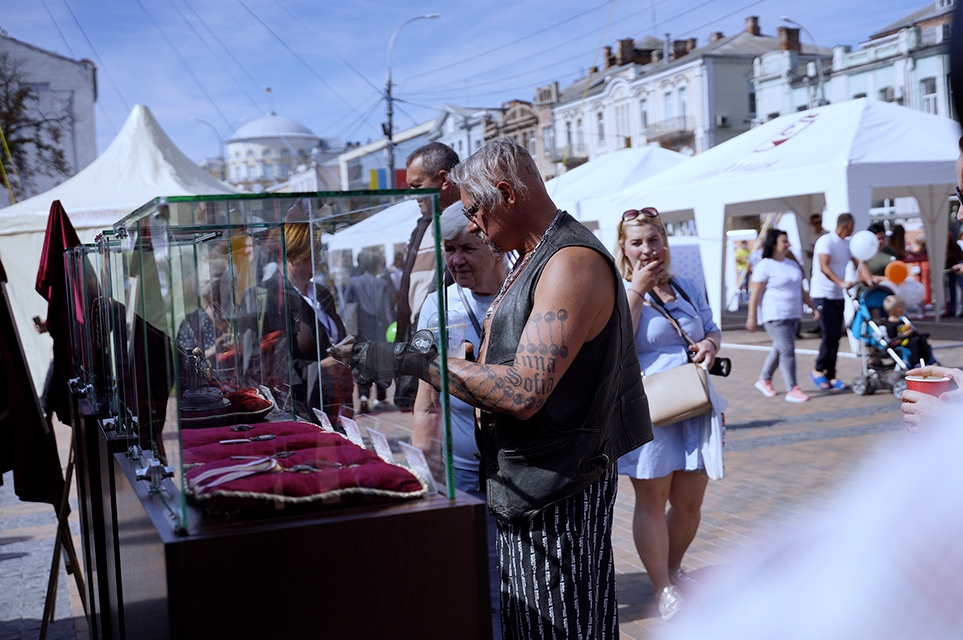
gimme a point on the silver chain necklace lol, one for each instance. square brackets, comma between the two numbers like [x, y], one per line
[517, 268]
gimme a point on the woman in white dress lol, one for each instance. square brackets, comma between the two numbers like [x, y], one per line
[669, 469]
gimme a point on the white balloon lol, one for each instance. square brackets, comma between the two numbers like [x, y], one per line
[863, 245]
[911, 291]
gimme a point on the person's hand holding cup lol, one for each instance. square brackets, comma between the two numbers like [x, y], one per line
[928, 390]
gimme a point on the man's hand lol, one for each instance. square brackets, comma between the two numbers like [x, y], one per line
[374, 361]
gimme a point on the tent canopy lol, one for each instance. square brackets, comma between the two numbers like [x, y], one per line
[841, 156]
[388, 228]
[140, 164]
[608, 174]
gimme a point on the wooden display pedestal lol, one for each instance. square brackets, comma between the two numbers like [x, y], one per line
[415, 569]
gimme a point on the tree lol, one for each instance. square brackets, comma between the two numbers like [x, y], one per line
[33, 137]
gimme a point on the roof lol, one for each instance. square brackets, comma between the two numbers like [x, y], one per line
[740, 44]
[926, 13]
[140, 164]
[272, 126]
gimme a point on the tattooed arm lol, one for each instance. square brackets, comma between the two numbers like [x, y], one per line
[574, 299]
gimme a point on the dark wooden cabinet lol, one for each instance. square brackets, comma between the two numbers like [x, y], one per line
[415, 569]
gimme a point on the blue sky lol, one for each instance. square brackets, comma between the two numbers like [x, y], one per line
[325, 61]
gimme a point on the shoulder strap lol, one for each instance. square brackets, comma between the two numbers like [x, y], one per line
[471, 313]
[656, 303]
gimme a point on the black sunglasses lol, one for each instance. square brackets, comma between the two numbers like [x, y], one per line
[470, 212]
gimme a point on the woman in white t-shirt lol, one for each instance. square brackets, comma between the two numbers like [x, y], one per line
[776, 292]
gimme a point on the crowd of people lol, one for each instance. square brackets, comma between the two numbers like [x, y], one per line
[540, 297]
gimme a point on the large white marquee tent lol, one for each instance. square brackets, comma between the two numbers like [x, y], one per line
[841, 156]
[140, 164]
[608, 174]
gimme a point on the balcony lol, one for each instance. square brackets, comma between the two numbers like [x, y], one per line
[670, 128]
[571, 156]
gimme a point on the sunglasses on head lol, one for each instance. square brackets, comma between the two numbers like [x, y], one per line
[632, 214]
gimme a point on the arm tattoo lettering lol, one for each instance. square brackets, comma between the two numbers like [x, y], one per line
[527, 383]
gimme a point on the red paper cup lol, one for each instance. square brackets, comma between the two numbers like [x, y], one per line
[930, 385]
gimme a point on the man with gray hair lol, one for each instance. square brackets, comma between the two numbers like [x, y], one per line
[557, 382]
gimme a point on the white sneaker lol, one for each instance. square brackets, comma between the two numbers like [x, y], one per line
[796, 395]
[670, 601]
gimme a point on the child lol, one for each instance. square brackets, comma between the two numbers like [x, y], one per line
[901, 334]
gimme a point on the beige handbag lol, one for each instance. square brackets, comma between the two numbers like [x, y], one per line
[677, 394]
[680, 392]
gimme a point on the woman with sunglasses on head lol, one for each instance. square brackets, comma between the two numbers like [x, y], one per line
[776, 291]
[669, 469]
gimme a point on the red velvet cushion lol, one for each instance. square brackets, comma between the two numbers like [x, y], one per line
[203, 445]
[343, 470]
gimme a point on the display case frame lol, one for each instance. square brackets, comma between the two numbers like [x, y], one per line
[149, 254]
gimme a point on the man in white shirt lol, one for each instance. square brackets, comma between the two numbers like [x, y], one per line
[830, 256]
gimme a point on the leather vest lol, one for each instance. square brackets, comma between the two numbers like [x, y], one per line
[596, 412]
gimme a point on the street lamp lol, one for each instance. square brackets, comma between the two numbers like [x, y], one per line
[819, 60]
[220, 142]
[388, 126]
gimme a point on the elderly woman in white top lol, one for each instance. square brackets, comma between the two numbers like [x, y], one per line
[777, 282]
[670, 469]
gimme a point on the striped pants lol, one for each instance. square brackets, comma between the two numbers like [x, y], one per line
[558, 569]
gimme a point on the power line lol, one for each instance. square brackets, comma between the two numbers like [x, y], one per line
[296, 55]
[516, 41]
[74, 56]
[230, 54]
[99, 61]
[566, 43]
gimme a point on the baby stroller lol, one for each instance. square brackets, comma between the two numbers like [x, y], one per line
[884, 361]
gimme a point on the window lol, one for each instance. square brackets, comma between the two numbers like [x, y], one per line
[683, 105]
[548, 138]
[579, 134]
[887, 94]
[644, 110]
[928, 93]
[531, 143]
[752, 99]
[668, 106]
[568, 134]
[601, 120]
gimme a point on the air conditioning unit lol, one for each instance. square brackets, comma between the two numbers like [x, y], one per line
[722, 122]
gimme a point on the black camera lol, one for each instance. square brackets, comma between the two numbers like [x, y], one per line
[721, 367]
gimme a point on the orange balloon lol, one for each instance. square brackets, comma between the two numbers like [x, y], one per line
[896, 271]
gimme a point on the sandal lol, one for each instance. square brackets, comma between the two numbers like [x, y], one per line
[839, 384]
[819, 379]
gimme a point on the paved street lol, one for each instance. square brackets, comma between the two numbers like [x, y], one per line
[783, 461]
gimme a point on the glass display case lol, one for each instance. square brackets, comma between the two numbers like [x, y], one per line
[90, 365]
[218, 313]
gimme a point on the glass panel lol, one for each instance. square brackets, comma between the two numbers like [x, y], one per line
[224, 309]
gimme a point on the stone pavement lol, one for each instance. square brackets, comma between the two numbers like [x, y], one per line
[27, 534]
[783, 461]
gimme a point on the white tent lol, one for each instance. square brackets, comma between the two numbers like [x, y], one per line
[608, 174]
[140, 164]
[842, 156]
[386, 228]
